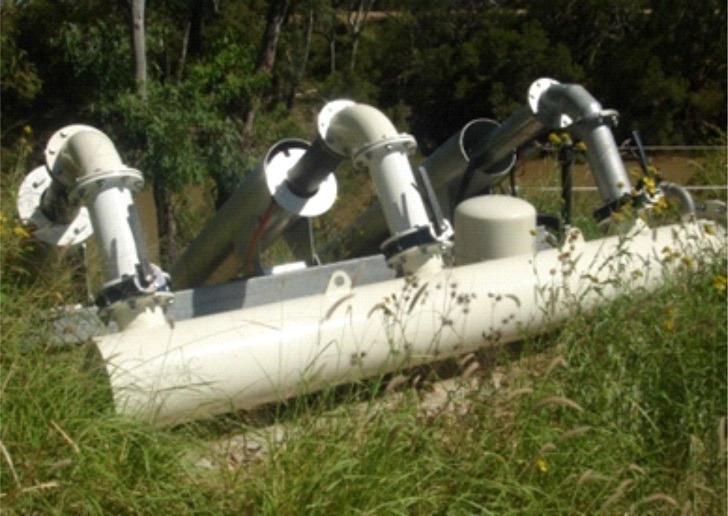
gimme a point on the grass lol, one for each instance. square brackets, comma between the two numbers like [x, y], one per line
[619, 411]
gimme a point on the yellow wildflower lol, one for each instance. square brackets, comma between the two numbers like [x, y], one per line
[542, 466]
[687, 261]
[670, 320]
[719, 283]
[27, 129]
[21, 232]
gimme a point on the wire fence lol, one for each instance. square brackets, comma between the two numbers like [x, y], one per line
[594, 188]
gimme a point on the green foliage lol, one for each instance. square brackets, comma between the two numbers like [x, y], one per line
[174, 135]
[474, 65]
[21, 81]
[97, 57]
[447, 61]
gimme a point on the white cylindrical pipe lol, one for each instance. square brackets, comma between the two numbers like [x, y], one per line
[111, 211]
[86, 163]
[396, 188]
[244, 358]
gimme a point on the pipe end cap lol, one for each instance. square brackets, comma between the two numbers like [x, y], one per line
[277, 164]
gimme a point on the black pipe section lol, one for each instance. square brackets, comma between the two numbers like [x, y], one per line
[500, 144]
[56, 205]
[312, 169]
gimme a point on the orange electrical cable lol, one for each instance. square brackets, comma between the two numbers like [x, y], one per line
[255, 240]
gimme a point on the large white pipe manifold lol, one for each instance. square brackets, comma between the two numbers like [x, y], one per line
[244, 358]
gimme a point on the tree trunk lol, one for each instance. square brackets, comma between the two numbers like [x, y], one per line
[266, 58]
[357, 19]
[197, 10]
[139, 46]
[298, 75]
[166, 224]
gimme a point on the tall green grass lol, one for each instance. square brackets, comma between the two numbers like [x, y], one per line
[620, 411]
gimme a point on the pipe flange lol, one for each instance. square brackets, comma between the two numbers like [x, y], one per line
[30, 196]
[607, 117]
[537, 89]
[279, 160]
[425, 258]
[403, 143]
[415, 237]
[88, 187]
[127, 309]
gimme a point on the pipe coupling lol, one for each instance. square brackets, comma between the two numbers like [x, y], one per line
[403, 143]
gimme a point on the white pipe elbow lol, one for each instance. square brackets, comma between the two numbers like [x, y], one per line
[571, 107]
[368, 137]
[86, 170]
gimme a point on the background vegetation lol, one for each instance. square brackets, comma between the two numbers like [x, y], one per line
[216, 82]
[620, 411]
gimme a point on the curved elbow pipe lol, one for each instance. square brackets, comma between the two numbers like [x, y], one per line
[85, 179]
[681, 194]
[572, 108]
[368, 137]
[86, 169]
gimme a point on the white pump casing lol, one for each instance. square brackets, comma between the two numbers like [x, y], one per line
[493, 226]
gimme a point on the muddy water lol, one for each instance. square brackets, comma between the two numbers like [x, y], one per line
[144, 201]
[546, 171]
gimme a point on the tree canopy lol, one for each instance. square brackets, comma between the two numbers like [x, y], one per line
[224, 79]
